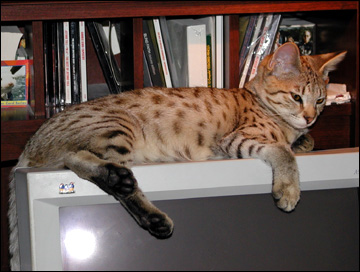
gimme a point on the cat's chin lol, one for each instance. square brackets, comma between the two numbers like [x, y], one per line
[304, 125]
[301, 127]
[299, 124]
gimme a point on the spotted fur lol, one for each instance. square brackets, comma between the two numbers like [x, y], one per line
[268, 119]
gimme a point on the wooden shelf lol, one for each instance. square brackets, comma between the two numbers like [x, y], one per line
[44, 10]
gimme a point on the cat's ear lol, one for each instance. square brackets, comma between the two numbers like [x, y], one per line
[285, 60]
[328, 63]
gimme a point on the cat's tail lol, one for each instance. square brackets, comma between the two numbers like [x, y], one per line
[13, 226]
[13, 221]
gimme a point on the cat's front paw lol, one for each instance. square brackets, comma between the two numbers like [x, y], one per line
[304, 144]
[159, 225]
[287, 196]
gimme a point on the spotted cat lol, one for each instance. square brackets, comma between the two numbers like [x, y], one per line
[268, 119]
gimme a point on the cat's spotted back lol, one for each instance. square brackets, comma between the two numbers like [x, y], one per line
[268, 119]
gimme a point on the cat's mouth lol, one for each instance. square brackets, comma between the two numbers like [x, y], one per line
[300, 122]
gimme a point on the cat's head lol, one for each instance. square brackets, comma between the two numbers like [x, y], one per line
[294, 86]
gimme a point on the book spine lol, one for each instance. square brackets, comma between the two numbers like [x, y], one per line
[163, 59]
[67, 65]
[262, 46]
[156, 51]
[251, 50]
[83, 74]
[247, 39]
[74, 53]
[60, 56]
[169, 52]
[147, 77]
[55, 86]
[124, 34]
[211, 30]
[47, 64]
[219, 60]
[150, 56]
[243, 24]
[104, 55]
[209, 61]
[196, 48]
[272, 34]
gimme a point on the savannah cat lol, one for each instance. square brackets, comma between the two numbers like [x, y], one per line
[268, 119]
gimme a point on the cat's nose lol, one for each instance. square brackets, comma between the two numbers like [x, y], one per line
[309, 114]
[309, 119]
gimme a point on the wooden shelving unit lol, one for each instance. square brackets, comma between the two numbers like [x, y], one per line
[337, 128]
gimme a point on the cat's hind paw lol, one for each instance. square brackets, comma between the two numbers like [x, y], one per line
[124, 186]
[159, 225]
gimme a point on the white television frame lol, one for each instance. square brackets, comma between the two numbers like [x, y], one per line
[39, 201]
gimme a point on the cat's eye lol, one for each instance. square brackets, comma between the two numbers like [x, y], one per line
[296, 97]
[320, 100]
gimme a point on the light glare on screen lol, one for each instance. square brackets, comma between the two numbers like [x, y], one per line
[80, 243]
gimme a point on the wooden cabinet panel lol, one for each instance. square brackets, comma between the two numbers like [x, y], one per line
[13, 144]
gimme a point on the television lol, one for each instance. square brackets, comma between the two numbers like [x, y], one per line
[223, 212]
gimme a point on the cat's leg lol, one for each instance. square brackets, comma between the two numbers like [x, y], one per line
[119, 181]
[305, 143]
[286, 188]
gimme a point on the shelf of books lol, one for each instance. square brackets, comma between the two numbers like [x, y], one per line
[86, 59]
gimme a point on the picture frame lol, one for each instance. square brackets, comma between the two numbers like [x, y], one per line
[15, 83]
[298, 31]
